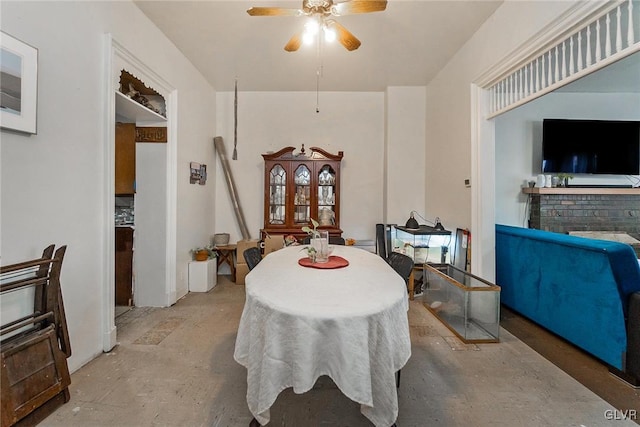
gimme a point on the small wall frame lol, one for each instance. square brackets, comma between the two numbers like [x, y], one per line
[198, 173]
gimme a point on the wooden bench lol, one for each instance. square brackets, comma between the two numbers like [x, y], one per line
[34, 347]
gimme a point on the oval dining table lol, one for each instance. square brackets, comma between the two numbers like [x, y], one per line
[301, 322]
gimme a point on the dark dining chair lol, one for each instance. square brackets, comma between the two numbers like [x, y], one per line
[403, 265]
[252, 256]
[381, 245]
[333, 240]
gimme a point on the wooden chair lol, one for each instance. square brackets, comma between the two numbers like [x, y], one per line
[252, 256]
[34, 348]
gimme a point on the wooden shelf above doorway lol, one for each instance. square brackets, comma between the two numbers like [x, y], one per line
[137, 113]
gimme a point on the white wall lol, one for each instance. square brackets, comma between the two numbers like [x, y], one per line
[52, 183]
[449, 118]
[376, 131]
[405, 154]
[519, 143]
[268, 121]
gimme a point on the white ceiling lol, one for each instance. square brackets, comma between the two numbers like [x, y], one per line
[406, 45]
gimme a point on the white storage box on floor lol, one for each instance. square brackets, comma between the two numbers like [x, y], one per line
[202, 275]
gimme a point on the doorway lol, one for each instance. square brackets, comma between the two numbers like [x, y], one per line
[140, 190]
[155, 206]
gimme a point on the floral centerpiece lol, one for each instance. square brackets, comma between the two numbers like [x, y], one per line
[313, 233]
[318, 250]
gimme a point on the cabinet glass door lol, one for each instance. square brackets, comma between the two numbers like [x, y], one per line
[277, 195]
[302, 197]
[326, 195]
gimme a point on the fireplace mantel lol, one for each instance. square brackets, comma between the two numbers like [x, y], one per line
[581, 190]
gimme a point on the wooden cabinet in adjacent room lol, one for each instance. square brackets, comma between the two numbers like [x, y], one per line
[127, 136]
[125, 158]
[299, 187]
[124, 266]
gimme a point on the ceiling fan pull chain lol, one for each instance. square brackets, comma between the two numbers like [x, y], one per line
[319, 53]
[318, 90]
[318, 74]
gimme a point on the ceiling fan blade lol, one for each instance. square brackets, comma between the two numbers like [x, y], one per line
[343, 35]
[272, 11]
[294, 43]
[358, 6]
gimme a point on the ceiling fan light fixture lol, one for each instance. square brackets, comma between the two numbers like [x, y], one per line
[312, 27]
[307, 38]
[320, 12]
[329, 34]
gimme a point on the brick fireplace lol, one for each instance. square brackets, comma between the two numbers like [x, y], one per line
[585, 209]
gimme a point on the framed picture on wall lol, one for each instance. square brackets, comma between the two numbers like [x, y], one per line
[18, 85]
[194, 174]
[198, 173]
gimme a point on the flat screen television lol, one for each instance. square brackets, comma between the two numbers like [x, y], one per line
[591, 146]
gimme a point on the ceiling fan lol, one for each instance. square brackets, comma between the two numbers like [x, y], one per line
[322, 12]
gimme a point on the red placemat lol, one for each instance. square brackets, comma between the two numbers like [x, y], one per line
[334, 262]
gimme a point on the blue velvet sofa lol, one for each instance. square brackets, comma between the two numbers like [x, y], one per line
[586, 291]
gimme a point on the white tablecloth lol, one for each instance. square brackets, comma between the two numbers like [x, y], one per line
[300, 323]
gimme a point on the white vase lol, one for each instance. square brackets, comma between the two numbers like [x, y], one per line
[547, 181]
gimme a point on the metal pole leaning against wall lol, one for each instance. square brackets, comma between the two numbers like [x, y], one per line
[219, 146]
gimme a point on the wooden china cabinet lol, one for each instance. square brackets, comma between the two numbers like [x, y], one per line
[301, 186]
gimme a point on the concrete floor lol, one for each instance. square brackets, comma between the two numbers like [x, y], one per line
[175, 367]
[585, 368]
